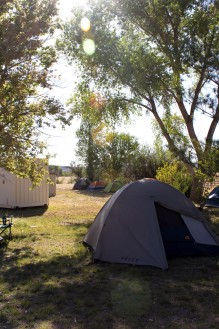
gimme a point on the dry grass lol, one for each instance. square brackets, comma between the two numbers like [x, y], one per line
[48, 282]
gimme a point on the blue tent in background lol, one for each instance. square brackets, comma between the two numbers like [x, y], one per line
[213, 198]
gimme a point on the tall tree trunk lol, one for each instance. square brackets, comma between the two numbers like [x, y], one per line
[197, 185]
[197, 190]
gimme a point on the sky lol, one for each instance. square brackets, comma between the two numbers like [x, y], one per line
[62, 143]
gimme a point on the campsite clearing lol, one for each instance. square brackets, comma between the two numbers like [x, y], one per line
[47, 280]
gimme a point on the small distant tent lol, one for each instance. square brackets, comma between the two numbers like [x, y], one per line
[213, 198]
[81, 184]
[113, 187]
[96, 185]
[145, 223]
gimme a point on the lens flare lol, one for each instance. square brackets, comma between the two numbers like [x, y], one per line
[85, 24]
[89, 46]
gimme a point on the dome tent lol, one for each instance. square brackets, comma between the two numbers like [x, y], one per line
[213, 198]
[96, 185]
[147, 221]
[113, 186]
[81, 184]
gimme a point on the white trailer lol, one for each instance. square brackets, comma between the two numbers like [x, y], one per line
[16, 192]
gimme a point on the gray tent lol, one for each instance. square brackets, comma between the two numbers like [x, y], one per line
[146, 222]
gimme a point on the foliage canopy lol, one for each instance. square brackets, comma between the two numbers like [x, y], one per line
[26, 73]
[159, 55]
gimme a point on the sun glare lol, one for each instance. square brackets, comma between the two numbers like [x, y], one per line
[88, 43]
[85, 24]
[89, 46]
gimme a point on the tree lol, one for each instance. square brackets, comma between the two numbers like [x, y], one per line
[96, 141]
[144, 163]
[161, 55]
[106, 154]
[25, 75]
[88, 150]
[57, 170]
[119, 151]
[77, 170]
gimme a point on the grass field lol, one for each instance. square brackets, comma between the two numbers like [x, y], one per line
[47, 279]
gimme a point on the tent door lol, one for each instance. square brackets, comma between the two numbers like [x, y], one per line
[177, 239]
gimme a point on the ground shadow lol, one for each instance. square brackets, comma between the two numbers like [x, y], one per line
[68, 292]
[95, 194]
[60, 291]
[210, 214]
[24, 212]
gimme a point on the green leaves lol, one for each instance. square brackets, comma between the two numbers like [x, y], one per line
[176, 175]
[100, 106]
[25, 77]
[158, 55]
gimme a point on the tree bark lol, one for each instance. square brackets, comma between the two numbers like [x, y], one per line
[197, 190]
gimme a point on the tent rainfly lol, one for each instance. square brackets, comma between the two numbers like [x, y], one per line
[113, 186]
[213, 198]
[145, 223]
[96, 185]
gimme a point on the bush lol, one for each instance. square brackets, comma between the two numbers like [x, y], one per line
[176, 175]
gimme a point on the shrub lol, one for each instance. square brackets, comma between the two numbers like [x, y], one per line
[175, 174]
